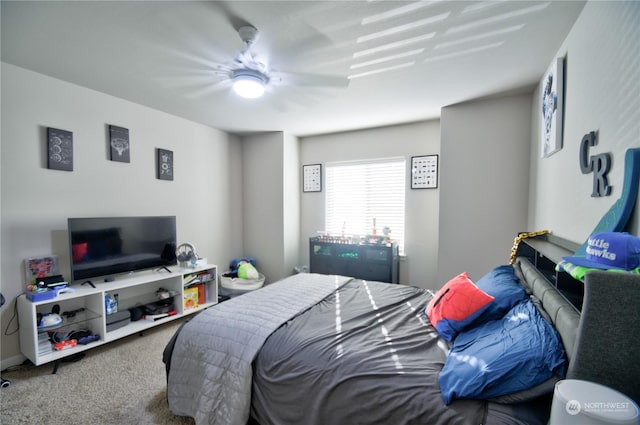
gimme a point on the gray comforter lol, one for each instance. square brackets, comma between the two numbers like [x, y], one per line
[322, 350]
[211, 373]
[367, 355]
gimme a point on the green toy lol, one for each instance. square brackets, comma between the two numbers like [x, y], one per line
[247, 271]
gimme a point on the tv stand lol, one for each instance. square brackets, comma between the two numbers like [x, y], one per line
[87, 302]
[165, 268]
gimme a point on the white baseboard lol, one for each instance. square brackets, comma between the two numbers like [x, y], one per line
[12, 361]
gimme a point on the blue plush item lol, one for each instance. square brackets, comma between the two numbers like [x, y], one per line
[503, 285]
[502, 357]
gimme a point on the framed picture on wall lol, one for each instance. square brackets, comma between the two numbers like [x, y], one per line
[119, 144]
[312, 178]
[59, 149]
[38, 267]
[164, 159]
[552, 109]
[424, 172]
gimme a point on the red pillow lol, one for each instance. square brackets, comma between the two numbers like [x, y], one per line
[456, 305]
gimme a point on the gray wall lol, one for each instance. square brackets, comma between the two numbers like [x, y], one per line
[603, 94]
[36, 201]
[270, 191]
[484, 177]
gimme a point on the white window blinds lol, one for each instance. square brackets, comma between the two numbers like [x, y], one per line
[359, 192]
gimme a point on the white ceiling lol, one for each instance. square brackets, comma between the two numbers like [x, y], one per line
[164, 55]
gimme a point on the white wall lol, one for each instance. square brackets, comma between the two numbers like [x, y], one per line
[36, 201]
[484, 178]
[602, 94]
[422, 206]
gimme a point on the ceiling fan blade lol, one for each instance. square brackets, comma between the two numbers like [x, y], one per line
[223, 8]
[211, 88]
[304, 79]
[195, 78]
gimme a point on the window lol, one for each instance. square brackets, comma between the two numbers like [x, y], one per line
[357, 193]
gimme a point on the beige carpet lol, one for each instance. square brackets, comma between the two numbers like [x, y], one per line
[122, 382]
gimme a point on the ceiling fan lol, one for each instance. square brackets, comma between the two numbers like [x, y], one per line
[250, 77]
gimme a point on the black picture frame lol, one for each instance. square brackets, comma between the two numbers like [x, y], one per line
[312, 178]
[164, 167]
[424, 172]
[119, 144]
[59, 149]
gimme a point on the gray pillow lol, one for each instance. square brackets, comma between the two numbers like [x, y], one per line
[527, 395]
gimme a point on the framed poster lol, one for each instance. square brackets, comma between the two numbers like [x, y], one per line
[312, 178]
[119, 143]
[38, 267]
[552, 99]
[165, 164]
[59, 149]
[424, 172]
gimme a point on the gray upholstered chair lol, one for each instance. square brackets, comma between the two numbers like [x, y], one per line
[607, 349]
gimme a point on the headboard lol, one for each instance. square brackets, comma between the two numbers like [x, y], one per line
[601, 342]
[607, 348]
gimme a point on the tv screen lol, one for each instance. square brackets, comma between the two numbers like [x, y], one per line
[106, 246]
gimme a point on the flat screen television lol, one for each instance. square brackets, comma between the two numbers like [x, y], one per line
[101, 247]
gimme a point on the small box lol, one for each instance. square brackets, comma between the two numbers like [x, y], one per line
[202, 295]
[48, 294]
[118, 320]
[190, 298]
[159, 307]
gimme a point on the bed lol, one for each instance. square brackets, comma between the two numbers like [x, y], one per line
[321, 349]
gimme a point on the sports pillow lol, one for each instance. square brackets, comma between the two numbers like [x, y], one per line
[456, 305]
[501, 357]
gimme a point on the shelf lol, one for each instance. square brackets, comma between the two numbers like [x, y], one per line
[72, 322]
[58, 355]
[545, 252]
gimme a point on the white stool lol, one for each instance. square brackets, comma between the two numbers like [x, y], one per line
[233, 286]
[577, 402]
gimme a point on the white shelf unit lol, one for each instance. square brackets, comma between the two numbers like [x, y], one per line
[133, 290]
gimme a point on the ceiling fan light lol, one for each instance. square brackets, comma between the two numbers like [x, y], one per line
[249, 84]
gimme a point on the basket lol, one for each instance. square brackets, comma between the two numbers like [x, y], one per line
[236, 286]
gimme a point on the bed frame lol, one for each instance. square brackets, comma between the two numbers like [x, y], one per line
[597, 321]
[601, 340]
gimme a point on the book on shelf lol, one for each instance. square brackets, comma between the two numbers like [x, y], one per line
[190, 298]
[191, 280]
